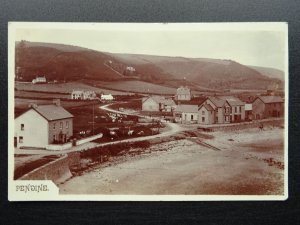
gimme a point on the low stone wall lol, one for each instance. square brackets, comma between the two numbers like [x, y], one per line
[58, 171]
[88, 139]
[59, 147]
[244, 125]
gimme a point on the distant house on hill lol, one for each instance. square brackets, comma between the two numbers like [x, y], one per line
[157, 104]
[107, 97]
[39, 80]
[267, 106]
[186, 113]
[221, 109]
[83, 95]
[43, 125]
[183, 94]
[130, 68]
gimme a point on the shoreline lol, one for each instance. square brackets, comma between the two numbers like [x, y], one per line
[185, 167]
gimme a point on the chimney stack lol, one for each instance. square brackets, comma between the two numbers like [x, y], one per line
[33, 105]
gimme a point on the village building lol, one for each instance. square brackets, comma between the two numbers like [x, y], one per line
[107, 97]
[206, 114]
[221, 109]
[248, 112]
[186, 114]
[39, 80]
[130, 68]
[83, 95]
[183, 94]
[43, 125]
[267, 106]
[158, 104]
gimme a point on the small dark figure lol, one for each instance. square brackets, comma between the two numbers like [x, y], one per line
[261, 127]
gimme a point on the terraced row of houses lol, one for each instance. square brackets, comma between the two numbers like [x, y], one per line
[214, 109]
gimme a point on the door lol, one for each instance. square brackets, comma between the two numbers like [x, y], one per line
[15, 142]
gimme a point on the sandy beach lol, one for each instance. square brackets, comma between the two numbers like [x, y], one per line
[249, 162]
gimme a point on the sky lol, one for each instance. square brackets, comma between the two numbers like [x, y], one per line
[248, 44]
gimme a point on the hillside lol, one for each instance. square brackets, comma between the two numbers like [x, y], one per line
[270, 72]
[71, 63]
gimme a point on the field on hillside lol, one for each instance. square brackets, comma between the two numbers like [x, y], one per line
[64, 88]
[22, 104]
[136, 86]
[40, 95]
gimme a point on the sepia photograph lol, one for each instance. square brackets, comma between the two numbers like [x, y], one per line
[148, 111]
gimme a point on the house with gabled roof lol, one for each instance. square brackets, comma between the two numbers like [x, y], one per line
[221, 109]
[157, 104]
[206, 114]
[43, 125]
[267, 106]
[83, 95]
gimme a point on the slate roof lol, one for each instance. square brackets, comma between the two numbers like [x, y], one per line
[271, 99]
[52, 112]
[161, 99]
[217, 101]
[187, 108]
[208, 107]
[193, 101]
[232, 101]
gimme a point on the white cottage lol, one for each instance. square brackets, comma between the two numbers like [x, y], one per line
[83, 95]
[107, 97]
[186, 114]
[43, 125]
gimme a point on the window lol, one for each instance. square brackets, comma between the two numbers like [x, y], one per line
[21, 139]
[22, 126]
[203, 119]
[240, 108]
[61, 125]
[54, 137]
[192, 117]
[235, 109]
[203, 112]
[54, 126]
[67, 124]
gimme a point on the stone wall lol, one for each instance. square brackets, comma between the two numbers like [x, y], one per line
[58, 171]
[88, 139]
[59, 147]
